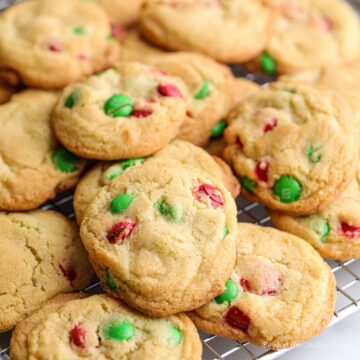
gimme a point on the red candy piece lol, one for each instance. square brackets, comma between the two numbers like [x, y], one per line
[268, 127]
[208, 191]
[350, 231]
[77, 336]
[116, 30]
[237, 319]
[69, 272]
[244, 284]
[120, 231]
[325, 23]
[82, 57]
[140, 113]
[54, 46]
[169, 90]
[261, 170]
[189, 114]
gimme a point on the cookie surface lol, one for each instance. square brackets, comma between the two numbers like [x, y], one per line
[293, 146]
[42, 255]
[334, 231]
[99, 327]
[177, 150]
[161, 237]
[239, 30]
[281, 292]
[122, 12]
[312, 34]
[345, 80]
[31, 173]
[131, 110]
[57, 42]
[18, 344]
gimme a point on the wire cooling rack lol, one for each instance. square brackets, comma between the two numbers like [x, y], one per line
[214, 347]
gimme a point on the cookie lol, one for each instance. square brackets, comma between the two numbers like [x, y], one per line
[181, 151]
[56, 41]
[293, 146]
[41, 256]
[122, 12]
[334, 231]
[241, 89]
[230, 31]
[18, 343]
[33, 164]
[99, 327]
[311, 34]
[162, 237]
[134, 48]
[281, 292]
[131, 110]
[5, 92]
[345, 80]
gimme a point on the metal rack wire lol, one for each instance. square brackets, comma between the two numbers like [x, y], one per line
[215, 347]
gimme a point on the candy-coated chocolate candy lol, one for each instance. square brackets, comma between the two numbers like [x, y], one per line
[117, 169]
[77, 336]
[175, 335]
[204, 91]
[287, 189]
[120, 203]
[229, 294]
[64, 160]
[218, 129]
[313, 154]
[225, 230]
[140, 113]
[121, 231]
[169, 90]
[261, 170]
[270, 125]
[171, 213]
[116, 30]
[350, 231]
[120, 330]
[118, 105]
[268, 64]
[110, 281]
[237, 319]
[78, 30]
[204, 191]
[69, 272]
[54, 46]
[72, 99]
[248, 184]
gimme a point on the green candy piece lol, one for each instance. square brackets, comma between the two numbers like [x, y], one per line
[171, 213]
[124, 165]
[120, 203]
[313, 155]
[110, 38]
[287, 189]
[78, 30]
[110, 281]
[218, 129]
[268, 64]
[72, 99]
[118, 105]
[204, 91]
[175, 335]
[225, 231]
[289, 91]
[229, 294]
[64, 160]
[248, 184]
[324, 232]
[120, 330]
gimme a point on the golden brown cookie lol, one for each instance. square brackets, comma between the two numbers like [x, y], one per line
[131, 110]
[100, 328]
[50, 44]
[41, 256]
[33, 164]
[230, 31]
[281, 292]
[162, 237]
[293, 146]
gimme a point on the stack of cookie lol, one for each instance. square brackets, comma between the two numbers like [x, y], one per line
[156, 215]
